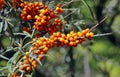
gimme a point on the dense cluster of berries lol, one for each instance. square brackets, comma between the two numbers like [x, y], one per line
[45, 19]
[29, 10]
[2, 2]
[42, 45]
[28, 63]
[59, 39]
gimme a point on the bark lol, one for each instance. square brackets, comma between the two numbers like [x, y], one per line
[70, 61]
[86, 65]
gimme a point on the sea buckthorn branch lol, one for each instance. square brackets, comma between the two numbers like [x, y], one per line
[41, 45]
[43, 20]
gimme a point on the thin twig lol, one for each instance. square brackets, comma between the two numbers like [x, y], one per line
[70, 13]
[105, 34]
[68, 3]
[98, 23]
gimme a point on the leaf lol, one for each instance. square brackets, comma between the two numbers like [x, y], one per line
[5, 41]
[4, 57]
[8, 3]
[3, 68]
[12, 60]
[5, 26]
[89, 8]
[1, 26]
[25, 33]
[27, 44]
[10, 24]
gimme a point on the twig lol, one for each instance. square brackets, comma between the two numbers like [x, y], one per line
[105, 34]
[98, 23]
[68, 3]
[70, 13]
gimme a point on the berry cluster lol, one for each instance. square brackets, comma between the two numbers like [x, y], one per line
[42, 45]
[44, 18]
[58, 39]
[27, 63]
[59, 9]
[29, 10]
[47, 20]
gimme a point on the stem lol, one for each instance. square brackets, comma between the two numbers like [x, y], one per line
[86, 65]
[71, 62]
[98, 23]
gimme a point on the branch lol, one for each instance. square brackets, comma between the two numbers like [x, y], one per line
[98, 23]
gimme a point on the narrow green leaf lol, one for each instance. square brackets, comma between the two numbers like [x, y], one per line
[89, 8]
[14, 57]
[4, 57]
[5, 41]
[1, 26]
[5, 26]
[10, 24]
[3, 68]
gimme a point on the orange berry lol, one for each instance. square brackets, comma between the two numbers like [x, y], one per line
[79, 34]
[71, 43]
[34, 62]
[44, 17]
[27, 53]
[42, 21]
[71, 32]
[59, 5]
[14, 75]
[71, 38]
[45, 49]
[24, 57]
[40, 4]
[22, 5]
[36, 3]
[21, 67]
[26, 62]
[34, 66]
[87, 34]
[37, 51]
[30, 4]
[87, 30]
[61, 40]
[29, 17]
[28, 68]
[24, 18]
[52, 14]
[83, 32]
[91, 34]
[36, 17]
[75, 37]
[59, 10]
[40, 57]
[66, 41]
